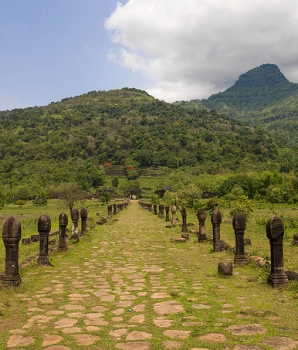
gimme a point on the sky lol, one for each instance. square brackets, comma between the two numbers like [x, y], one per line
[173, 49]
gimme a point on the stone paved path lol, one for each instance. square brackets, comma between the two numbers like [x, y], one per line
[136, 292]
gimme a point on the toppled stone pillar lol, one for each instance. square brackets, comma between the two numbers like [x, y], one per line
[275, 234]
[216, 221]
[63, 222]
[184, 216]
[44, 228]
[225, 268]
[11, 235]
[75, 225]
[83, 215]
[201, 215]
[239, 225]
[173, 210]
[167, 209]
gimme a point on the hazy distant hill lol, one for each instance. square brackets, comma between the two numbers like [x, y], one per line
[260, 96]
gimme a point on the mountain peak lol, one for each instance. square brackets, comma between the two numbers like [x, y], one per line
[266, 74]
[255, 89]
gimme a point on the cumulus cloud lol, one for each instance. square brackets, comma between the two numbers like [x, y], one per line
[193, 48]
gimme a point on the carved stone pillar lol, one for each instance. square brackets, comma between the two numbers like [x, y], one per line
[201, 215]
[239, 225]
[44, 228]
[75, 224]
[167, 209]
[161, 211]
[63, 222]
[173, 210]
[110, 211]
[216, 221]
[11, 235]
[83, 215]
[184, 216]
[275, 234]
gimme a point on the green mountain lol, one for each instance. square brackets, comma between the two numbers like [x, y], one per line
[71, 140]
[262, 96]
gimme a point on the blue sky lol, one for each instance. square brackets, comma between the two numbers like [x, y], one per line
[51, 49]
[175, 50]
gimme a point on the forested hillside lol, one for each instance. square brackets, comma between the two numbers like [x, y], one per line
[262, 96]
[71, 140]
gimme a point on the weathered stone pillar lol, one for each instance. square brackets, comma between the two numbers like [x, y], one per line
[216, 221]
[295, 239]
[114, 209]
[275, 234]
[11, 235]
[161, 211]
[184, 216]
[63, 222]
[239, 226]
[201, 215]
[155, 209]
[110, 211]
[174, 209]
[83, 215]
[44, 228]
[75, 224]
[167, 209]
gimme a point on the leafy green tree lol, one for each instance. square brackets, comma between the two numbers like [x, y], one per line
[275, 194]
[70, 194]
[171, 198]
[132, 189]
[132, 174]
[105, 197]
[241, 205]
[115, 181]
[190, 195]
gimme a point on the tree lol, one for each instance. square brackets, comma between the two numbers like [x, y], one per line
[132, 188]
[190, 195]
[115, 181]
[71, 194]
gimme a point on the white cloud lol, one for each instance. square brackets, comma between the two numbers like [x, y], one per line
[193, 48]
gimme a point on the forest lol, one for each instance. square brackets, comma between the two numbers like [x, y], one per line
[77, 139]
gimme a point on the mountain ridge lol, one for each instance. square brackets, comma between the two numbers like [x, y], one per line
[262, 96]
